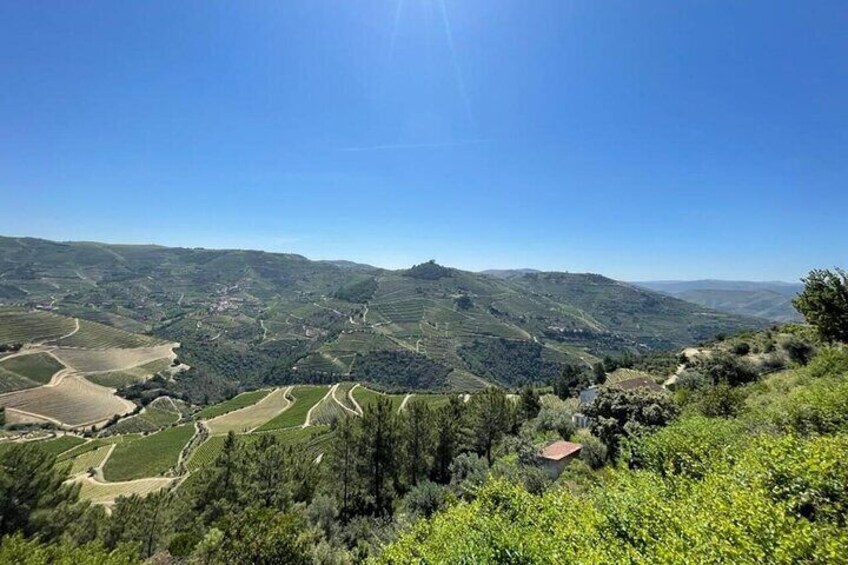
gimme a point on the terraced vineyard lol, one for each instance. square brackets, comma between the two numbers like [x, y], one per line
[239, 401]
[27, 371]
[314, 437]
[147, 456]
[327, 411]
[366, 396]
[341, 394]
[92, 335]
[118, 379]
[110, 360]
[37, 367]
[106, 493]
[73, 402]
[159, 414]
[22, 326]
[93, 444]
[89, 460]
[305, 397]
[252, 416]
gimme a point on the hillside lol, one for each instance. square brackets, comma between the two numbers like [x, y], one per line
[769, 300]
[249, 318]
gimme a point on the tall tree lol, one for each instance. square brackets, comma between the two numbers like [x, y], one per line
[489, 418]
[448, 425]
[417, 438]
[528, 403]
[342, 463]
[268, 480]
[378, 443]
[824, 303]
[221, 490]
[571, 380]
[34, 497]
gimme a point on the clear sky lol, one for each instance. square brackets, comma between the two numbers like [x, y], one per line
[641, 140]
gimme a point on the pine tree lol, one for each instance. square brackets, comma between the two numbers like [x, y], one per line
[448, 425]
[528, 403]
[342, 460]
[416, 428]
[378, 454]
[490, 417]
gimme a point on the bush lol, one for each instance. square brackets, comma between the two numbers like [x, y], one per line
[829, 362]
[594, 452]
[742, 348]
[468, 473]
[723, 368]
[689, 447]
[425, 499]
[720, 401]
[797, 350]
[618, 415]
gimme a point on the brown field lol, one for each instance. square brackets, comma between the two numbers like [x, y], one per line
[106, 493]
[252, 416]
[73, 401]
[106, 360]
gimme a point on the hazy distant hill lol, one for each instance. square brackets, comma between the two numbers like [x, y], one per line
[770, 300]
[248, 317]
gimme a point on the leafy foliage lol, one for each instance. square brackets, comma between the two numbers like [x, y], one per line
[429, 271]
[509, 362]
[358, 291]
[618, 415]
[824, 303]
[401, 370]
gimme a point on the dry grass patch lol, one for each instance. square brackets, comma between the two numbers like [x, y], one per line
[115, 359]
[253, 416]
[73, 402]
[107, 493]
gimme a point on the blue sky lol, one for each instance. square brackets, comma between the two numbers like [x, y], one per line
[642, 140]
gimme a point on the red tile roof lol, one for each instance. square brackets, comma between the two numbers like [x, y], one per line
[560, 450]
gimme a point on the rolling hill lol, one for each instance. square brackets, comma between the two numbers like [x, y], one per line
[769, 300]
[247, 319]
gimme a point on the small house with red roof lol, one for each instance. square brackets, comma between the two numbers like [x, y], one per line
[557, 455]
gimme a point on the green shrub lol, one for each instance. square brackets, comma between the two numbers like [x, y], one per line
[829, 362]
[690, 447]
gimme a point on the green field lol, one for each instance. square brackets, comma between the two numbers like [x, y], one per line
[155, 416]
[54, 446]
[432, 400]
[239, 401]
[19, 326]
[314, 437]
[88, 460]
[366, 396]
[10, 382]
[37, 367]
[93, 444]
[305, 398]
[147, 456]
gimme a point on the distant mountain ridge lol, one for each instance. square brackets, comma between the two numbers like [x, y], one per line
[250, 318]
[771, 300]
